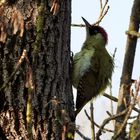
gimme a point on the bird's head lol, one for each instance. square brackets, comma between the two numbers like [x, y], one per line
[96, 32]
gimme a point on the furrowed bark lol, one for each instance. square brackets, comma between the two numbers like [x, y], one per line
[36, 101]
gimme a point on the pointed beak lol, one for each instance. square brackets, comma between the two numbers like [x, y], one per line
[86, 23]
[88, 26]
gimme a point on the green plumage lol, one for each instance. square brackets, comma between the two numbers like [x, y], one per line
[92, 70]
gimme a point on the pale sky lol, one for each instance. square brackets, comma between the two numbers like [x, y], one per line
[116, 22]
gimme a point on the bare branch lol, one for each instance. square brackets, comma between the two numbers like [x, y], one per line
[87, 115]
[103, 130]
[110, 85]
[78, 25]
[116, 100]
[110, 97]
[133, 117]
[81, 135]
[101, 4]
[103, 8]
[101, 17]
[103, 11]
[92, 120]
[110, 114]
[107, 121]
[133, 103]
[124, 123]
[115, 50]
[110, 88]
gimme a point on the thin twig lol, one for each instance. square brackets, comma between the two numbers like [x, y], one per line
[124, 123]
[103, 8]
[78, 25]
[110, 114]
[133, 103]
[87, 115]
[133, 117]
[115, 50]
[107, 121]
[92, 120]
[100, 19]
[101, 4]
[103, 11]
[116, 100]
[81, 135]
[110, 87]
[110, 97]
[103, 130]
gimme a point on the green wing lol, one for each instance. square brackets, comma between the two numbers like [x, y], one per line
[81, 64]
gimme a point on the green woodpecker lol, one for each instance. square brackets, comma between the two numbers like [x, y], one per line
[92, 66]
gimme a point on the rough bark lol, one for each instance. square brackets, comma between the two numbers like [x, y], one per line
[124, 92]
[35, 86]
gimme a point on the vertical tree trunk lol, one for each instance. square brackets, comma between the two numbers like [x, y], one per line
[35, 86]
[124, 92]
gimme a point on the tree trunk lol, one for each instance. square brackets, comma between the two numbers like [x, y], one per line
[35, 86]
[124, 92]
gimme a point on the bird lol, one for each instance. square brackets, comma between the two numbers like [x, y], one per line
[92, 66]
